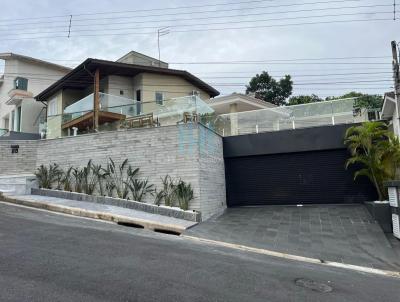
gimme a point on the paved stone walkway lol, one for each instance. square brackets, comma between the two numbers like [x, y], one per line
[142, 218]
[340, 233]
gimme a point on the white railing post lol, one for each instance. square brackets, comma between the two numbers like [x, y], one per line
[333, 120]
[256, 128]
[293, 125]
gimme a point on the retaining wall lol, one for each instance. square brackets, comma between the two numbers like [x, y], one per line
[191, 152]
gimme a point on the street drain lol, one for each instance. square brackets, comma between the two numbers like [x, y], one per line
[313, 285]
[169, 232]
[130, 224]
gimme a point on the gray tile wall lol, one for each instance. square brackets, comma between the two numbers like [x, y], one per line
[23, 162]
[190, 152]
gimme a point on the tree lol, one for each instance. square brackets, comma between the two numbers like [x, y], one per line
[377, 152]
[270, 90]
[367, 101]
[304, 99]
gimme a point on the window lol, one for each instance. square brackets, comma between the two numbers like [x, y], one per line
[159, 98]
[52, 107]
[12, 120]
[121, 92]
[21, 83]
[138, 101]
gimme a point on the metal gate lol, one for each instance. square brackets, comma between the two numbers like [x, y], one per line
[292, 167]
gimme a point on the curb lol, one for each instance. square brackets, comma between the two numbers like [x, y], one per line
[361, 269]
[146, 224]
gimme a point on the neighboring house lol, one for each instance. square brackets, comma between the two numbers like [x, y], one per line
[390, 112]
[238, 114]
[237, 102]
[101, 93]
[137, 58]
[23, 78]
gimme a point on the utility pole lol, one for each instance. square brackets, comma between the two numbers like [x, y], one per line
[161, 32]
[396, 79]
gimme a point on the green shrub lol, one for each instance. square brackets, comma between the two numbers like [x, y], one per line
[184, 194]
[140, 188]
[377, 151]
[47, 176]
[119, 177]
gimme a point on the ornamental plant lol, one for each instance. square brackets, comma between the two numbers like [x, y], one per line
[376, 152]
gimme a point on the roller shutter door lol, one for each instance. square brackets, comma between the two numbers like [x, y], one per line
[315, 177]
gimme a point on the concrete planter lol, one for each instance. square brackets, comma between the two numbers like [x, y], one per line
[123, 203]
[381, 212]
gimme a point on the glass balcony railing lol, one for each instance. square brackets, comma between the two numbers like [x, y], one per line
[165, 113]
[192, 108]
[3, 132]
[287, 117]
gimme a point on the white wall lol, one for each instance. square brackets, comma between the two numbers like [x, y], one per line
[39, 76]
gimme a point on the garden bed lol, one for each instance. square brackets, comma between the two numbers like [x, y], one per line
[123, 203]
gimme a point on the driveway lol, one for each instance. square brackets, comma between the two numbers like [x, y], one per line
[340, 233]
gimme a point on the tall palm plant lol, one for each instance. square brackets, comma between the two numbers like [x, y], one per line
[375, 149]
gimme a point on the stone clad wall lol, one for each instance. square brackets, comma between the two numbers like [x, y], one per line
[212, 172]
[189, 151]
[23, 162]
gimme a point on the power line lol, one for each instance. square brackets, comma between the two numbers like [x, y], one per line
[294, 76]
[68, 28]
[193, 18]
[195, 12]
[199, 24]
[141, 10]
[201, 30]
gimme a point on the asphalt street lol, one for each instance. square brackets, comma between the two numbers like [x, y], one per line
[51, 257]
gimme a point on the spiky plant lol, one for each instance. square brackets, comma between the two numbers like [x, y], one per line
[101, 176]
[88, 179]
[158, 197]
[77, 176]
[140, 188]
[120, 177]
[47, 176]
[167, 193]
[184, 194]
[67, 179]
[42, 175]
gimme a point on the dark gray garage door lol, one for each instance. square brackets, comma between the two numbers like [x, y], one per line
[294, 178]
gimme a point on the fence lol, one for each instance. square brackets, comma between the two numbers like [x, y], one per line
[332, 112]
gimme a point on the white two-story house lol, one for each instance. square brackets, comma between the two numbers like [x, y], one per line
[24, 77]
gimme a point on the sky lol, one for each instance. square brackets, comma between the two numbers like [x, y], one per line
[329, 47]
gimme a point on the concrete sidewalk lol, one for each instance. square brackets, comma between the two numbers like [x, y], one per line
[341, 233]
[101, 211]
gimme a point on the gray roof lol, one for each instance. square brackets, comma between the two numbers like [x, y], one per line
[10, 55]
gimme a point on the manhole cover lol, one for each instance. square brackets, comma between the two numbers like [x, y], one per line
[313, 285]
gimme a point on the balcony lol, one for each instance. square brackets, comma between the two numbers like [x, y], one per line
[79, 116]
[334, 112]
[114, 111]
[17, 95]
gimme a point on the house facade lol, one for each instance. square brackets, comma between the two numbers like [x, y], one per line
[102, 93]
[237, 102]
[22, 79]
[390, 112]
